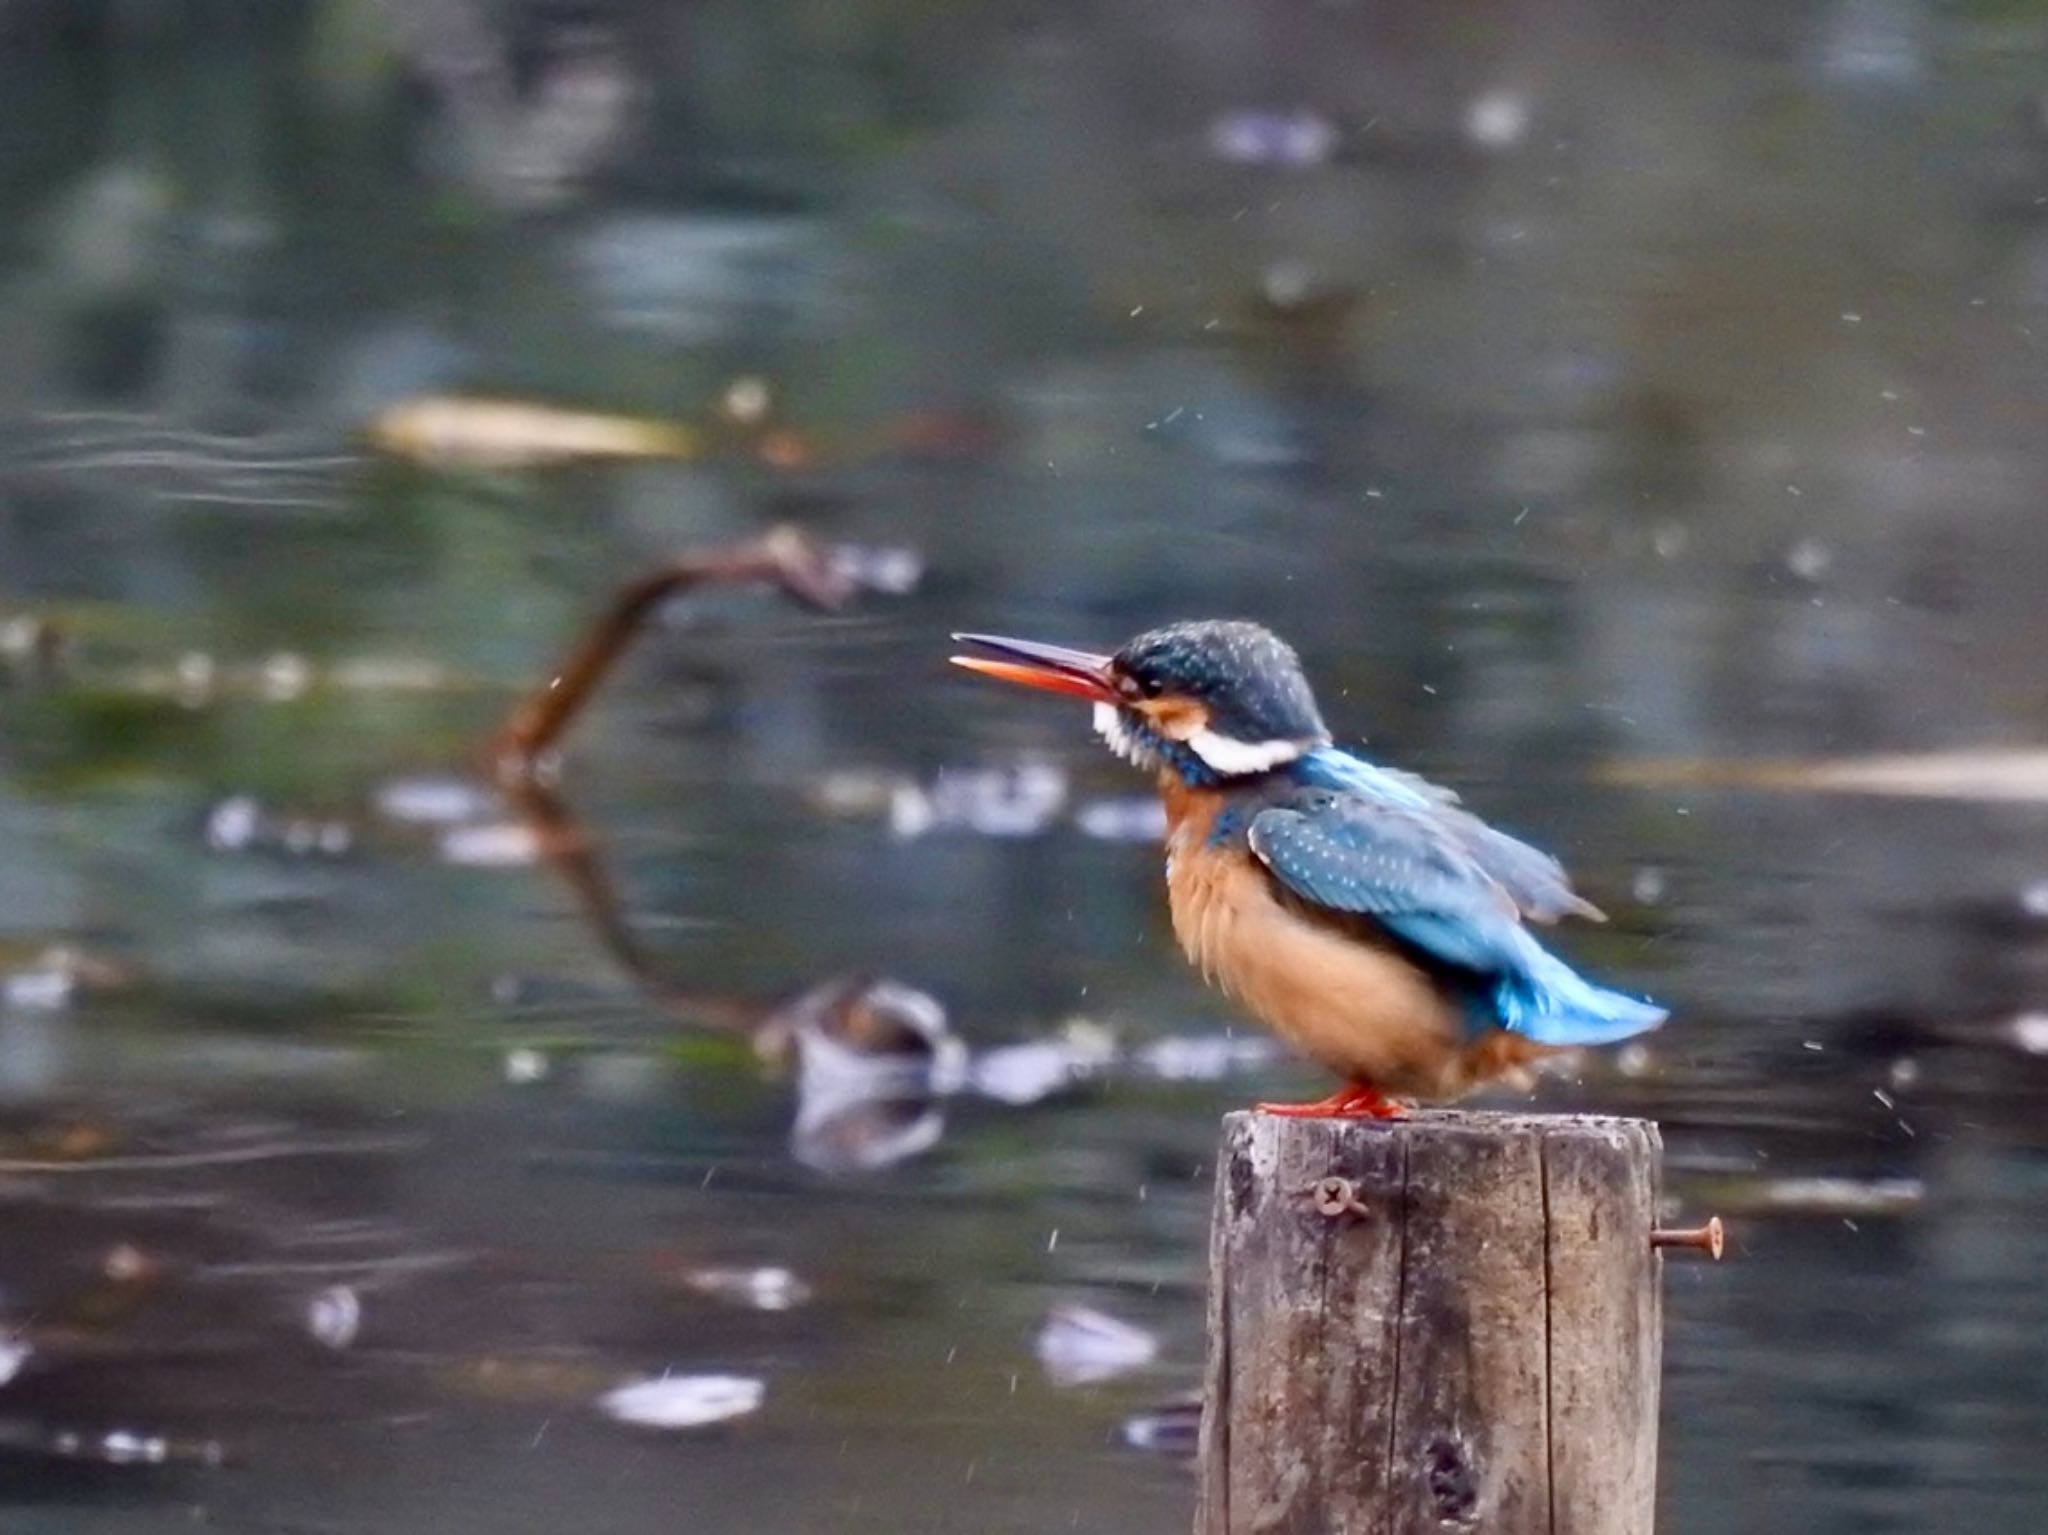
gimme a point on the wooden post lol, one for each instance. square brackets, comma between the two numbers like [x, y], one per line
[1444, 1323]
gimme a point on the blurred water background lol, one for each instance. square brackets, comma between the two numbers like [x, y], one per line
[1580, 386]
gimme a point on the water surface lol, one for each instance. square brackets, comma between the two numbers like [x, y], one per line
[1610, 387]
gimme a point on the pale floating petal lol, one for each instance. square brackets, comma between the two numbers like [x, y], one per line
[892, 570]
[433, 801]
[1036, 1069]
[234, 823]
[763, 1289]
[525, 1065]
[491, 845]
[683, 1401]
[334, 1317]
[1080, 1346]
[1024, 1073]
[1172, 1428]
[43, 989]
[14, 1353]
[1131, 818]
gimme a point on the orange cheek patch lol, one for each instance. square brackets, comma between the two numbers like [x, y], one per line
[1175, 718]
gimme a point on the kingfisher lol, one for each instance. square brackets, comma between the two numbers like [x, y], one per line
[1361, 913]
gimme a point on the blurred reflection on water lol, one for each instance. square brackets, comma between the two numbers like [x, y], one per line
[1573, 384]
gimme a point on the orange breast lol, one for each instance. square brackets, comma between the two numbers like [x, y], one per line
[1325, 984]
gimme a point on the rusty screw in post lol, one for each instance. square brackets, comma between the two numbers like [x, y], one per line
[1336, 1196]
[1708, 1238]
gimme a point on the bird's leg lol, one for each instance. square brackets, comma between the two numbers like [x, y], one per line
[1354, 1100]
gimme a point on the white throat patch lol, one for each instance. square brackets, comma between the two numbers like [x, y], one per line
[1235, 759]
[1224, 754]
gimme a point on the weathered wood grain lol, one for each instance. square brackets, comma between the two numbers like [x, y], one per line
[1460, 1336]
[1604, 1282]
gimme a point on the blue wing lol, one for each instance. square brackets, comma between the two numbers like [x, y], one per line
[1535, 881]
[1415, 876]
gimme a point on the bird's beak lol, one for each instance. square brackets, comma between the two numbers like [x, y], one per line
[1054, 668]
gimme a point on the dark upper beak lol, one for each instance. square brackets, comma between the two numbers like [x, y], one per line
[1054, 668]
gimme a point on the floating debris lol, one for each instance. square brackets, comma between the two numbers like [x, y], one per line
[125, 1263]
[1123, 818]
[525, 1066]
[240, 824]
[783, 558]
[51, 981]
[889, 570]
[2030, 1032]
[1171, 1428]
[124, 1447]
[1024, 1073]
[852, 1133]
[14, 1353]
[683, 1401]
[41, 989]
[491, 845]
[854, 1026]
[233, 823]
[1080, 1346]
[434, 801]
[334, 1317]
[391, 674]
[1021, 799]
[1497, 119]
[1290, 140]
[196, 679]
[1036, 1069]
[1204, 1057]
[701, 279]
[116, 1447]
[1874, 43]
[873, 1057]
[1810, 560]
[747, 400]
[2017, 776]
[762, 1289]
[30, 643]
[283, 677]
[449, 432]
[855, 793]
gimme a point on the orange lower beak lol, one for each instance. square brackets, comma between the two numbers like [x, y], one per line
[1052, 668]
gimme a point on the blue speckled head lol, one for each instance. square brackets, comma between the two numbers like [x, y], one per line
[1214, 699]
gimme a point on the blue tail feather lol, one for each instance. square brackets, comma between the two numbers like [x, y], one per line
[1549, 1002]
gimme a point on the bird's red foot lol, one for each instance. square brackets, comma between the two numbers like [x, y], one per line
[1354, 1100]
